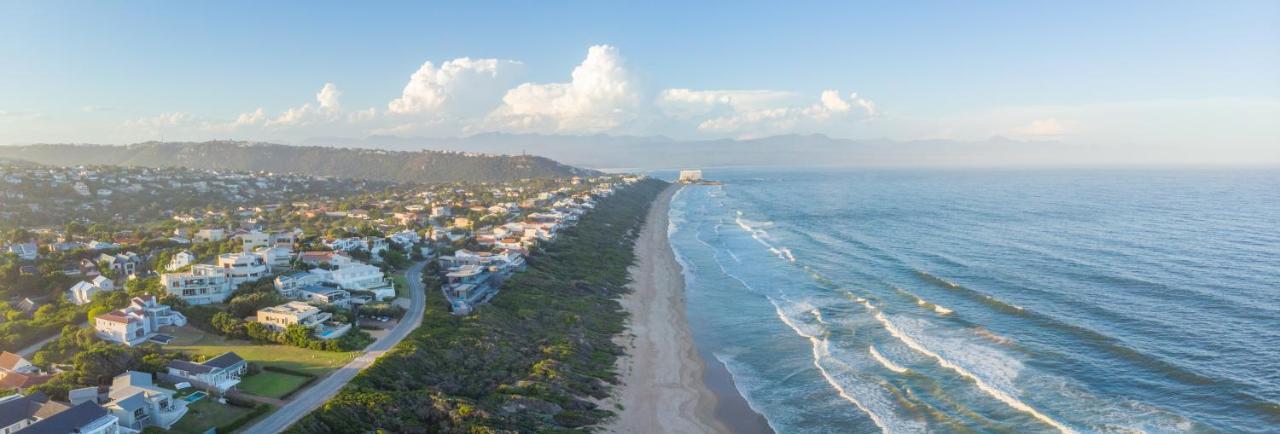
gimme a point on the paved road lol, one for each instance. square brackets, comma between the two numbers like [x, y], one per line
[312, 397]
[30, 350]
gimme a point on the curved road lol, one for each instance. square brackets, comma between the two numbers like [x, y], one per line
[312, 397]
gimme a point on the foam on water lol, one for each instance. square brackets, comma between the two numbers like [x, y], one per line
[878, 408]
[996, 387]
[888, 364]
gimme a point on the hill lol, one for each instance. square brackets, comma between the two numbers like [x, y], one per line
[370, 164]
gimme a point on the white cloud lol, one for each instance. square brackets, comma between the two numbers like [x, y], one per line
[251, 118]
[164, 120]
[762, 112]
[601, 96]
[327, 109]
[1042, 128]
[459, 87]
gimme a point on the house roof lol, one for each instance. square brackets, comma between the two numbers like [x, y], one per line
[131, 402]
[225, 360]
[16, 409]
[117, 316]
[18, 380]
[9, 361]
[68, 421]
[191, 367]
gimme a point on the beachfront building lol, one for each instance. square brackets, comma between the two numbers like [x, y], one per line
[289, 284]
[280, 317]
[137, 322]
[203, 284]
[357, 276]
[218, 374]
[138, 403]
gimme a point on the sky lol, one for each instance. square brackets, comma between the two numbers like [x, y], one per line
[1196, 77]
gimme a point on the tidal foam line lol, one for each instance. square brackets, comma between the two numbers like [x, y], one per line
[996, 393]
[819, 346]
[888, 364]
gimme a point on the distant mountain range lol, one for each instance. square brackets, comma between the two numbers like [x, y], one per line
[371, 164]
[659, 152]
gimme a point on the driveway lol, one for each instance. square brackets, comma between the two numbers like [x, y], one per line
[309, 399]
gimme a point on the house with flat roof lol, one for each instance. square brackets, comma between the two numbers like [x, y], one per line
[296, 312]
[203, 284]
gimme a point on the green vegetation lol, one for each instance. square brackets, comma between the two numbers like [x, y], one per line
[246, 301]
[207, 413]
[379, 165]
[272, 384]
[525, 363]
[190, 340]
[93, 361]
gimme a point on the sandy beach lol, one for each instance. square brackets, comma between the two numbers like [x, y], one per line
[663, 388]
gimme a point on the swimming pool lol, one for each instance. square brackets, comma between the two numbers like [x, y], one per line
[194, 397]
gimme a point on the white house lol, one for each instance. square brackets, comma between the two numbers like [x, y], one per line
[324, 295]
[218, 374]
[253, 239]
[212, 234]
[138, 403]
[289, 284]
[358, 276]
[243, 267]
[137, 322]
[82, 293]
[275, 256]
[203, 284]
[180, 260]
[296, 312]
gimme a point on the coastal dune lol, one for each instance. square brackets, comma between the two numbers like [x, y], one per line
[663, 388]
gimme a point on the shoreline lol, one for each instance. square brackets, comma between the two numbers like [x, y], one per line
[666, 383]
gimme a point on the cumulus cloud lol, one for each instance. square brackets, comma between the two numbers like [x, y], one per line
[458, 87]
[601, 95]
[164, 120]
[467, 95]
[327, 108]
[762, 112]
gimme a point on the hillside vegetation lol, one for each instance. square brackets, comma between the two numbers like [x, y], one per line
[369, 164]
[529, 362]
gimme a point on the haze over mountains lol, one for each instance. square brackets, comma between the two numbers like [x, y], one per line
[372, 164]
[660, 152]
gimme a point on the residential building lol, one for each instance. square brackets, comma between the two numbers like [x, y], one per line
[211, 234]
[84, 418]
[289, 284]
[138, 403]
[243, 267]
[82, 293]
[17, 373]
[218, 374]
[296, 312]
[137, 322]
[203, 284]
[357, 276]
[323, 295]
[25, 251]
[275, 256]
[253, 239]
[18, 412]
[124, 264]
[321, 257]
[180, 260]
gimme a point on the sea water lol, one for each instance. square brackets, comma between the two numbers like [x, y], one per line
[990, 300]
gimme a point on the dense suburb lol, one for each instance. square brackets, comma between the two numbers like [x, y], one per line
[529, 362]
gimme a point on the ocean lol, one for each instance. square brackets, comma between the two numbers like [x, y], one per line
[990, 300]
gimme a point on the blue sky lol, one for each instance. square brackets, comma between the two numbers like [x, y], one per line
[1105, 72]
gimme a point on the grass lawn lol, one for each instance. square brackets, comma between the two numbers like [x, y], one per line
[191, 340]
[402, 285]
[270, 384]
[205, 414]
